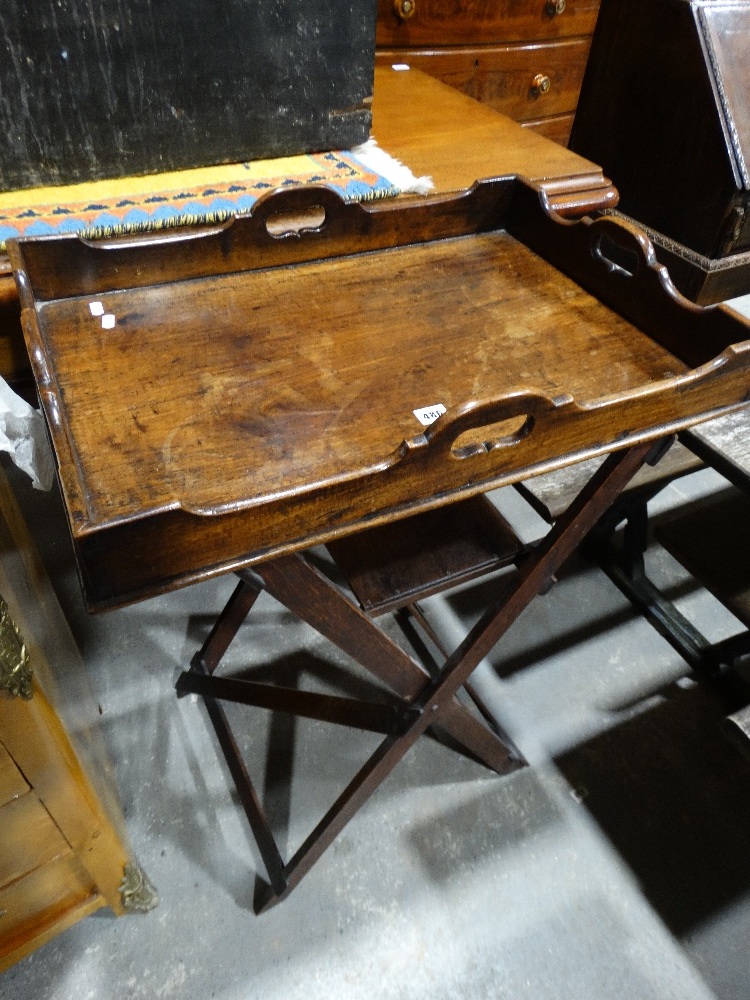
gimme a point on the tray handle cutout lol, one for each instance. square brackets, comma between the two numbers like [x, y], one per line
[478, 428]
[280, 224]
[296, 212]
[620, 247]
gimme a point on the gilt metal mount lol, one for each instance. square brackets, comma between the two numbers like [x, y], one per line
[15, 672]
[137, 893]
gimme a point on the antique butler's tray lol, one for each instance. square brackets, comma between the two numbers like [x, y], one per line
[216, 398]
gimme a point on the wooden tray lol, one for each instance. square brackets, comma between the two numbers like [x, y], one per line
[255, 389]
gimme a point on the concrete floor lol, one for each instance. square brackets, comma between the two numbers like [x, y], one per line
[616, 865]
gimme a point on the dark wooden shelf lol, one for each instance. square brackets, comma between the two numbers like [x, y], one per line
[397, 564]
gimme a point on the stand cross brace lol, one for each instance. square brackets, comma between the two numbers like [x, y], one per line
[426, 701]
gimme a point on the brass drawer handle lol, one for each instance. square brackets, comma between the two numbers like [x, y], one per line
[408, 8]
[555, 8]
[541, 83]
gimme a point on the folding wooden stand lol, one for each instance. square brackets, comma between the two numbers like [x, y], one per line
[622, 559]
[423, 701]
[696, 538]
[256, 391]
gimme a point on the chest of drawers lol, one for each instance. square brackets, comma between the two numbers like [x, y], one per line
[525, 58]
[64, 851]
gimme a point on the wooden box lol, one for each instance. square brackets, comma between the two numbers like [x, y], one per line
[113, 88]
[665, 109]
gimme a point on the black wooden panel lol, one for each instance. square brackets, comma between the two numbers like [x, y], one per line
[650, 114]
[105, 88]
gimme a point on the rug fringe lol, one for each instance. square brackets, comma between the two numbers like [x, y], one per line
[371, 155]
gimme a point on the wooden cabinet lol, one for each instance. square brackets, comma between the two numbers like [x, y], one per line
[63, 848]
[525, 59]
[665, 109]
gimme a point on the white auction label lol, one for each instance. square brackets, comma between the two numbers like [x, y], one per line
[428, 414]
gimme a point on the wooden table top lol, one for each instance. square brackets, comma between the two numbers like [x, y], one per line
[438, 131]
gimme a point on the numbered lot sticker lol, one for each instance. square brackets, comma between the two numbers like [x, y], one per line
[428, 414]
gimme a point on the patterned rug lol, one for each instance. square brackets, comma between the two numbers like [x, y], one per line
[210, 194]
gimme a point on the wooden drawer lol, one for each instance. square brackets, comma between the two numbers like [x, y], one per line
[471, 22]
[503, 76]
[28, 838]
[33, 908]
[557, 127]
[12, 782]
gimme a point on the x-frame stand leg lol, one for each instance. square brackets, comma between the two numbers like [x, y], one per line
[627, 570]
[433, 703]
[625, 566]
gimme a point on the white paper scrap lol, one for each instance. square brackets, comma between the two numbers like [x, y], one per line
[23, 435]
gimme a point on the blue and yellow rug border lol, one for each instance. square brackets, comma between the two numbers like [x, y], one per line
[188, 197]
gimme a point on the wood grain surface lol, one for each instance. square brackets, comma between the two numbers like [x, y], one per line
[724, 444]
[436, 131]
[290, 373]
[443, 133]
[12, 782]
[63, 845]
[550, 495]
[29, 838]
[42, 904]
